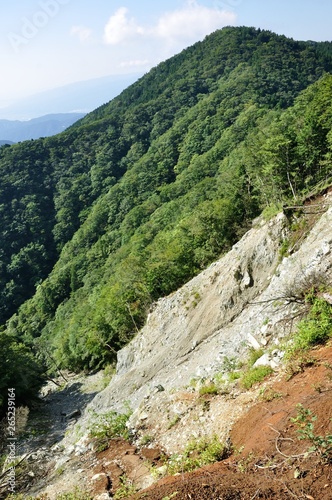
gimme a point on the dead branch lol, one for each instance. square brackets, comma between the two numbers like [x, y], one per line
[278, 438]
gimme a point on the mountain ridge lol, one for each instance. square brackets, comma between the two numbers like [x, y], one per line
[35, 128]
[80, 97]
[139, 196]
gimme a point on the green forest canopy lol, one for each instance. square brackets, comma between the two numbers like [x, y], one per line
[140, 195]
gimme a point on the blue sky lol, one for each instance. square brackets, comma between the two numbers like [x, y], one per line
[50, 43]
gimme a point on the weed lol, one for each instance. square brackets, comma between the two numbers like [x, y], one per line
[219, 379]
[193, 382]
[108, 373]
[173, 422]
[77, 494]
[232, 376]
[126, 489]
[305, 423]
[196, 454]
[229, 364]
[254, 375]
[109, 425]
[173, 495]
[269, 394]
[254, 355]
[60, 470]
[316, 327]
[210, 388]
[244, 464]
[146, 439]
[298, 364]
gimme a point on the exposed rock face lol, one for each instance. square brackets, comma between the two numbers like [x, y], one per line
[244, 299]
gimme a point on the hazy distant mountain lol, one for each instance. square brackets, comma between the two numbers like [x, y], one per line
[2, 143]
[45, 126]
[80, 97]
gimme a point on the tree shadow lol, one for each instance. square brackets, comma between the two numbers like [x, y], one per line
[53, 416]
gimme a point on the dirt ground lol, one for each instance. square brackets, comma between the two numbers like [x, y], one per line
[269, 461]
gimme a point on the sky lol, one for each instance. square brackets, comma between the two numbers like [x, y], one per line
[46, 44]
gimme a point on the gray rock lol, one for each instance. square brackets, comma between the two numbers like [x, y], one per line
[244, 301]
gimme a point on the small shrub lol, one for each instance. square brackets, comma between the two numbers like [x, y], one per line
[211, 388]
[244, 464]
[270, 395]
[146, 439]
[109, 425]
[298, 364]
[229, 364]
[315, 328]
[271, 211]
[254, 375]
[126, 489]
[254, 355]
[319, 444]
[284, 248]
[77, 494]
[232, 376]
[197, 454]
[173, 422]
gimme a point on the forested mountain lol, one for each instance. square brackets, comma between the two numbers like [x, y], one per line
[100, 221]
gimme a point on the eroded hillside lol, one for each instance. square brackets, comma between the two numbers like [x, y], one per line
[184, 378]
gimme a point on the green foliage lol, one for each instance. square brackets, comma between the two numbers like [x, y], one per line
[19, 370]
[173, 421]
[232, 376]
[126, 489]
[255, 375]
[210, 388]
[254, 355]
[77, 494]
[315, 328]
[305, 420]
[197, 454]
[134, 200]
[108, 426]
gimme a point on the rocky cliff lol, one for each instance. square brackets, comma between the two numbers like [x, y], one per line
[251, 298]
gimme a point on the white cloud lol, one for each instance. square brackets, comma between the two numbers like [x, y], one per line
[193, 21]
[82, 32]
[121, 28]
[187, 24]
